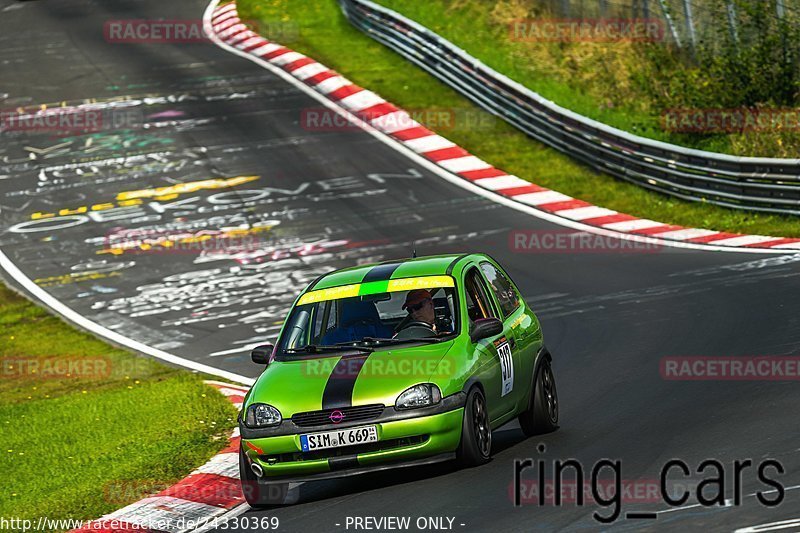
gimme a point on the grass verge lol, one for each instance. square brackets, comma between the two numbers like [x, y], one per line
[88, 428]
[324, 34]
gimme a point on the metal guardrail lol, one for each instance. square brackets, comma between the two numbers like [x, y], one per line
[752, 183]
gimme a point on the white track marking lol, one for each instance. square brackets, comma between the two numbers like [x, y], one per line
[772, 526]
[464, 164]
[748, 239]
[266, 49]
[429, 143]
[361, 100]
[312, 69]
[502, 182]
[249, 42]
[582, 213]
[687, 233]
[632, 225]
[543, 197]
[288, 57]
[327, 86]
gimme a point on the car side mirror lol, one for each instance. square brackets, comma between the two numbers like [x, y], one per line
[484, 328]
[261, 354]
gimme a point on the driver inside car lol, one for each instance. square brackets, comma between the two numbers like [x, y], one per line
[419, 305]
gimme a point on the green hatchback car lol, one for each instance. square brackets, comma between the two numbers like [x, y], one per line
[396, 364]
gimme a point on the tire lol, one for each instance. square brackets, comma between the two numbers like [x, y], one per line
[476, 433]
[542, 413]
[259, 494]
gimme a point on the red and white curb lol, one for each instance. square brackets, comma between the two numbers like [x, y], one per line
[209, 492]
[224, 26]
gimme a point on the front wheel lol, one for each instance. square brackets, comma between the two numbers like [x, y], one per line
[476, 433]
[542, 413]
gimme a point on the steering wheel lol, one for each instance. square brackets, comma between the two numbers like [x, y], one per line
[415, 329]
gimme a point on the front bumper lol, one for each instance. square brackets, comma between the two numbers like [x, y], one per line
[405, 438]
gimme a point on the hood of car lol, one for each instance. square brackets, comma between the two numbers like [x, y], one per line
[332, 382]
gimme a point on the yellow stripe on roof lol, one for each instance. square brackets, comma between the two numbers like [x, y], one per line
[424, 282]
[334, 293]
[394, 285]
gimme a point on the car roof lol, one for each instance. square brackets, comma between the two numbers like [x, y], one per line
[432, 265]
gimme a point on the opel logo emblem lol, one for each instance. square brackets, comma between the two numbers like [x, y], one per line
[336, 416]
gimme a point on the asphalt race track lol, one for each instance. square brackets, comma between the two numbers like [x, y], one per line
[311, 201]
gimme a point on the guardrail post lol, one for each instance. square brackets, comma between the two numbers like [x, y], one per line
[732, 27]
[687, 12]
[668, 18]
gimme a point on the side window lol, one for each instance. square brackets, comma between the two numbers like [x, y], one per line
[478, 305]
[324, 319]
[317, 319]
[502, 288]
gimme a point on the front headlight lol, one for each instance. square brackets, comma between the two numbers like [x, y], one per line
[261, 415]
[422, 395]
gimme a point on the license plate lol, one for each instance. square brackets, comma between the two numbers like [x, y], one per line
[338, 438]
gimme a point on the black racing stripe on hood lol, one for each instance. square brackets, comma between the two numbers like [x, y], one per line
[380, 272]
[338, 391]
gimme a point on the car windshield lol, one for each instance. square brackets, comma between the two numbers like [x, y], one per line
[427, 314]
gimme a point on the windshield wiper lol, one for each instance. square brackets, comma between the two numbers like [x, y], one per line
[377, 340]
[319, 348]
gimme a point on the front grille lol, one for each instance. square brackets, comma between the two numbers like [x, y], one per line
[351, 414]
[345, 451]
